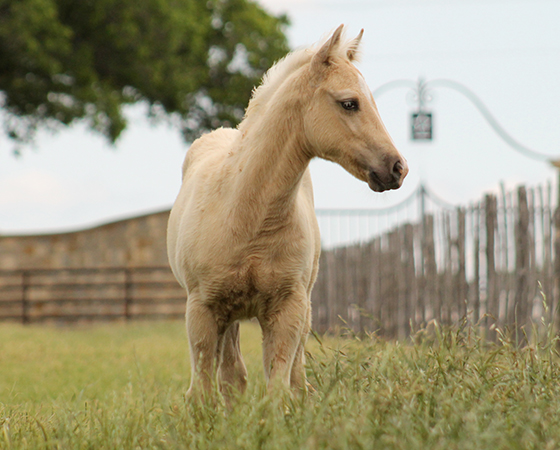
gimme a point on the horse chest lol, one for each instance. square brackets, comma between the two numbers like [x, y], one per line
[247, 290]
[249, 284]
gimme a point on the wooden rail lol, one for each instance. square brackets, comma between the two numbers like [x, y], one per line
[74, 294]
[492, 262]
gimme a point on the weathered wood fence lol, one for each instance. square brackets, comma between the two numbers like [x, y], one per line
[493, 262]
[65, 295]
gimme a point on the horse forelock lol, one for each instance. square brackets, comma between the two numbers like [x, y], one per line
[282, 69]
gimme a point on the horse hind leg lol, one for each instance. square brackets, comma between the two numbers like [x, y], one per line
[232, 373]
[204, 341]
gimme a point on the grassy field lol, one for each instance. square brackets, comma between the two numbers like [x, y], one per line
[120, 386]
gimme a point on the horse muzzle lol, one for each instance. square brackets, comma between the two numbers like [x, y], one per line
[391, 179]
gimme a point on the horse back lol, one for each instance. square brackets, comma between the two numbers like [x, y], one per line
[209, 146]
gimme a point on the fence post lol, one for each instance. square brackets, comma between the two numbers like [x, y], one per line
[318, 298]
[546, 228]
[476, 251]
[556, 269]
[430, 281]
[521, 262]
[446, 292]
[127, 292]
[490, 210]
[410, 287]
[332, 292]
[363, 271]
[25, 296]
[506, 277]
[375, 286]
[461, 288]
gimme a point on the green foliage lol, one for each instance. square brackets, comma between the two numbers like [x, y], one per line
[117, 386]
[65, 60]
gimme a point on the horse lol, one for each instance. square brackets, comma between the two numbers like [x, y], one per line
[243, 238]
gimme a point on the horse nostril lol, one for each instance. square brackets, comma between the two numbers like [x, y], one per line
[398, 169]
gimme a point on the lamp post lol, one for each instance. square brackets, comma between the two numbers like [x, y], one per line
[421, 120]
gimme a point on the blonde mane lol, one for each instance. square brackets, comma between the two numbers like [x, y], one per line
[283, 68]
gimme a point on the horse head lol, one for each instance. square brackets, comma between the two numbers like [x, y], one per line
[342, 123]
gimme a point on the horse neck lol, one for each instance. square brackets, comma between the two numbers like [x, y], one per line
[272, 161]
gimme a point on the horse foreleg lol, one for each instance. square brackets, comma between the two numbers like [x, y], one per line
[232, 372]
[283, 332]
[297, 377]
[202, 331]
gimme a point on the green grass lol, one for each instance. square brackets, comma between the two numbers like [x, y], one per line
[121, 386]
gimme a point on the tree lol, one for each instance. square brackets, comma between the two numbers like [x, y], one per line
[195, 61]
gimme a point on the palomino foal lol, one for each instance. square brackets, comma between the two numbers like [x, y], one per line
[243, 238]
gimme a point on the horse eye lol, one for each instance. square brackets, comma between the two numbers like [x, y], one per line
[350, 105]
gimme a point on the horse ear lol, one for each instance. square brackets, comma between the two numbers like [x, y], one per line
[325, 53]
[352, 51]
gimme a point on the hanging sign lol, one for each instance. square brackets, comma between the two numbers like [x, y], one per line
[421, 126]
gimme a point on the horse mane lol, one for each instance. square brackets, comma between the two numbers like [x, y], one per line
[283, 68]
[273, 79]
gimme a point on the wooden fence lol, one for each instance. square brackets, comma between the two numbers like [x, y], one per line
[63, 295]
[493, 263]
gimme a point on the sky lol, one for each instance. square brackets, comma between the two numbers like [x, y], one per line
[505, 51]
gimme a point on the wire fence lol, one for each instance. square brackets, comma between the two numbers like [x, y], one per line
[340, 227]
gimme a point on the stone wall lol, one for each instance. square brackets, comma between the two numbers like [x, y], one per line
[139, 241]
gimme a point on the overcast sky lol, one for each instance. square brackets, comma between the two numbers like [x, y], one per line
[505, 51]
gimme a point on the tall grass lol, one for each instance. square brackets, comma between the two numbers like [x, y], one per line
[121, 387]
